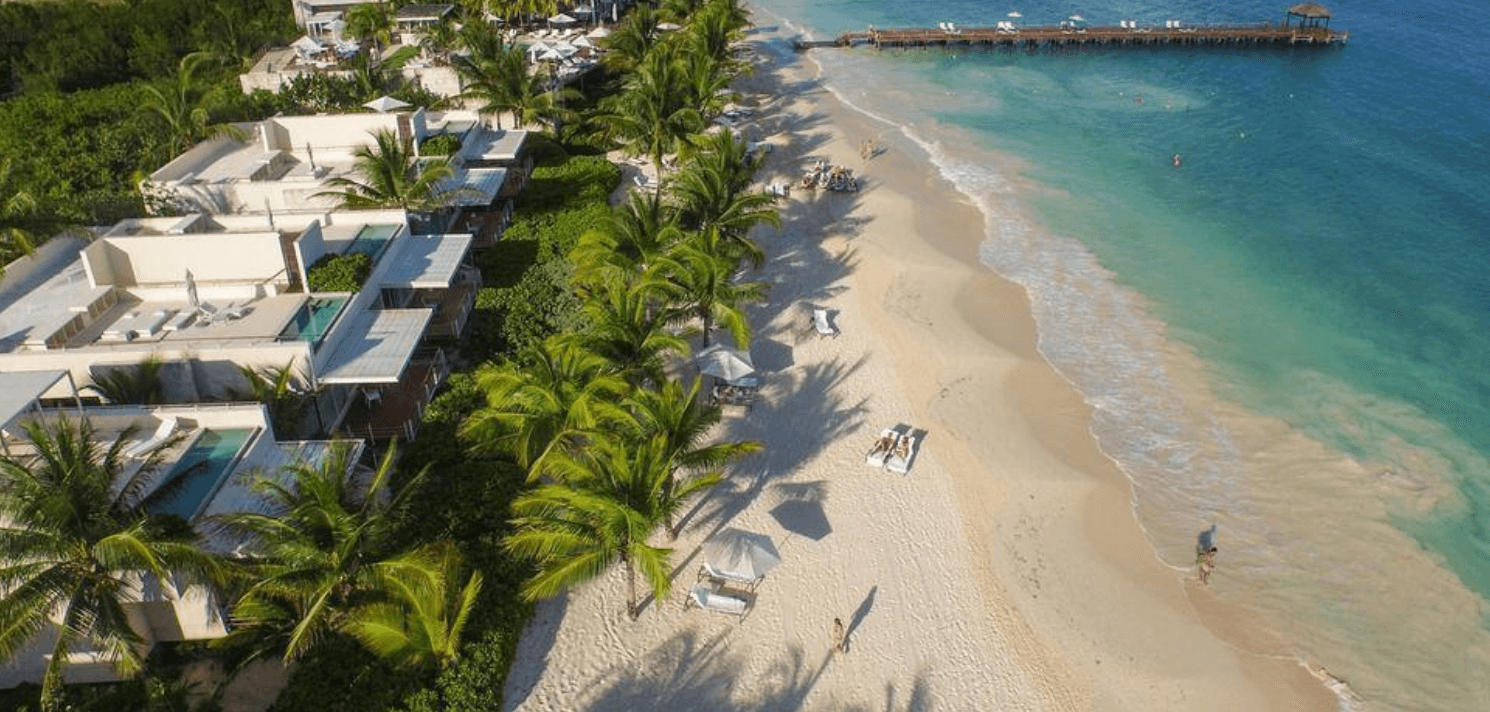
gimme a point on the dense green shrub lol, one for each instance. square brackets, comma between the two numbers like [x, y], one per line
[339, 273]
[439, 145]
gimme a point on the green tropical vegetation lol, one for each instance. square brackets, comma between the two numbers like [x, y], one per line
[569, 448]
[140, 384]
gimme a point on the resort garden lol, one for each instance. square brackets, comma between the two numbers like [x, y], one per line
[569, 444]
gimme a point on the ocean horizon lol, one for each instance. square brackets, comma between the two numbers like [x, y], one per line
[1283, 338]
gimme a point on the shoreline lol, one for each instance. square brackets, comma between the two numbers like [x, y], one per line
[997, 311]
[1070, 608]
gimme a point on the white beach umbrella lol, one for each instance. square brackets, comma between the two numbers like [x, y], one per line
[741, 554]
[1015, 14]
[385, 104]
[566, 50]
[550, 55]
[562, 19]
[307, 46]
[723, 362]
[583, 41]
[599, 33]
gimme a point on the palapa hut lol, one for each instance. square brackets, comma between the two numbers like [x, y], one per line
[1310, 14]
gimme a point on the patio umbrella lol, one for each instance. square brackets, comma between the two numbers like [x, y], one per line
[583, 41]
[741, 554]
[726, 363]
[562, 19]
[564, 49]
[191, 291]
[308, 46]
[599, 33]
[385, 104]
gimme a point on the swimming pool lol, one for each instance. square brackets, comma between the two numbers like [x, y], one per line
[372, 240]
[201, 471]
[313, 320]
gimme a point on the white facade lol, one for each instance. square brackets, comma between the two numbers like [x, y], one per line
[210, 294]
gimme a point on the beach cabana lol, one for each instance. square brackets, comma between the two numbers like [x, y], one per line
[726, 364]
[1310, 14]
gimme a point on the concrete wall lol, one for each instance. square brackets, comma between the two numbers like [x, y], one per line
[310, 247]
[212, 374]
[164, 259]
[339, 133]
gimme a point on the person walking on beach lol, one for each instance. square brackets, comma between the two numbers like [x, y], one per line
[840, 637]
[1205, 563]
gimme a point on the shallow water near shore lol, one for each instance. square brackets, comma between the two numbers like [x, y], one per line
[1284, 337]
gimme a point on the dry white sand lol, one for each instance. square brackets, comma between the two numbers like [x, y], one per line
[1005, 571]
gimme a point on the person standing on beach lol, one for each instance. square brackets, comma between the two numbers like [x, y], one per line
[840, 637]
[1205, 563]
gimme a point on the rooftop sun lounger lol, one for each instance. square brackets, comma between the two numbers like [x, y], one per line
[899, 461]
[882, 447]
[707, 596]
[161, 434]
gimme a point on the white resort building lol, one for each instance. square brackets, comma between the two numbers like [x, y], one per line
[210, 294]
[287, 160]
[210, 454]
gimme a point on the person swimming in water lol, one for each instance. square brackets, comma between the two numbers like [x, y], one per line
[1177, 160]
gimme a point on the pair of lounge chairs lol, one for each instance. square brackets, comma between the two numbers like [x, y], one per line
[892, 450]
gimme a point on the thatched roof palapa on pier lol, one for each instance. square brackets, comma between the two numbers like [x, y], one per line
[1310, 10]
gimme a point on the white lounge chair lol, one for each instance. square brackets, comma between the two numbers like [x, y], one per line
[162, 433]
[883, 446]
[707, 596]
[899, 461]
[821, 322]
[706, 571]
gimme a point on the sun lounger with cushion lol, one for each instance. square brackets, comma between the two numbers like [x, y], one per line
[708, 597]
[883, 445]
[705, 571]
[162, 433]
[822, 324]
[899, 461]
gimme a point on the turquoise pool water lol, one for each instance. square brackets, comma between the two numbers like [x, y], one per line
[313, 320]
[199, 474]
[372, 240]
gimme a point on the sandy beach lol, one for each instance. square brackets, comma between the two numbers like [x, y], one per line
[1005, 571]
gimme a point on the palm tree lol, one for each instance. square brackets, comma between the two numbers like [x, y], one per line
[426, 611]
[611, 497]
[680, 11]
[322, 549]
[712, 192]
[277, 387]
[652, 117]
[76, 540]
[394, 177]
[635, 237]
[139, 384]
[18, 215]
[181, 106]
[552, 398]
[632, 40]
[493, 74]
[704, 288]
[628, 328]
[681, 418]
[372, 21]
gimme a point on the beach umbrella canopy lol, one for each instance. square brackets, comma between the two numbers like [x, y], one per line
[385, 104]
[562, 19]
[599, 33]
[583, 41]
[726, 363]
[1015, 14]
[306, 45]
[564, 49]
[549, 54]
[741, 554]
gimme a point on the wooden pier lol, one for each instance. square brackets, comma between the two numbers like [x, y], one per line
[1106, 36]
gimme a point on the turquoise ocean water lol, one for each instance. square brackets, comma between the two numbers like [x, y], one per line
[1287, 337]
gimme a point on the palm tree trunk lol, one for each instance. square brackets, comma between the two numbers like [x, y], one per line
[633, 608]
[708, 324]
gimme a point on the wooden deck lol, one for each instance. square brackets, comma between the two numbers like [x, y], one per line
[1057, 36]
